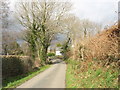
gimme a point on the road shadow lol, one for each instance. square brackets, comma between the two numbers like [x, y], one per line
[56, 61]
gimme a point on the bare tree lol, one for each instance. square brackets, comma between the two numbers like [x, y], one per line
[4, 12]
[42, 20]
[9, 37]
[72, 25]
[89, 28]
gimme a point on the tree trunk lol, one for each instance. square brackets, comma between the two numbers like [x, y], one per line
[43, 55]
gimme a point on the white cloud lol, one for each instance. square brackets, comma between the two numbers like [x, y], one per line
[102, 11]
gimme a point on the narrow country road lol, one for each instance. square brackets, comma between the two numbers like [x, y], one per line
[54, 77]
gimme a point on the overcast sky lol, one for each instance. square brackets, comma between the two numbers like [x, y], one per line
[101, 11]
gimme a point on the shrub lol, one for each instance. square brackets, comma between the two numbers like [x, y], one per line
[59, 45]
[11, 66]
[66, 49]
[96, 61]
[103, 47]
[50, 54]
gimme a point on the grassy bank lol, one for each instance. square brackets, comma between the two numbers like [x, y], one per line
[13, 82]
[101, 77]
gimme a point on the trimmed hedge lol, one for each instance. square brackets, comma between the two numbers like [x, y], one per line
[11, 66]
[17, 65]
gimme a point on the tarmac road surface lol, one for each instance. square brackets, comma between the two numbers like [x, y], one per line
[53, 77]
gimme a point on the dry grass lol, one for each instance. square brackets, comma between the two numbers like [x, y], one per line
[103, 46]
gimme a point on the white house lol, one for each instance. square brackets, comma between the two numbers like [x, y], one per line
[58, 51]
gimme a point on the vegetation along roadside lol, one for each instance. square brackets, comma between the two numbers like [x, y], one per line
[13, 82]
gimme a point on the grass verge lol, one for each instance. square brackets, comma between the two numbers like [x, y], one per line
[13, 82]
[98, 78]
[70, 78]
